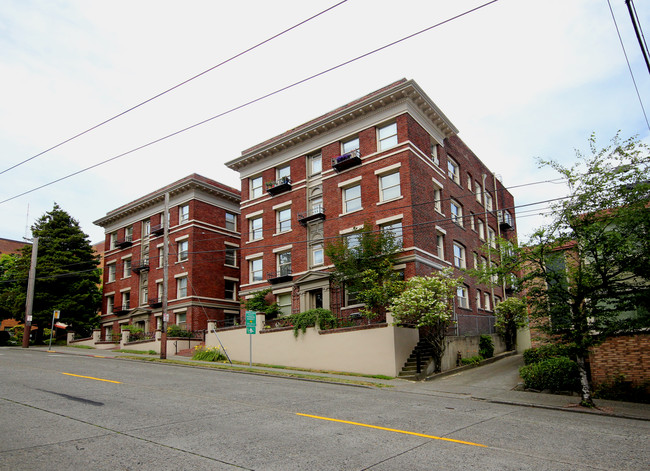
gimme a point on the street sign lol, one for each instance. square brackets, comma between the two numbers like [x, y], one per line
[251, 322]
[57, 313]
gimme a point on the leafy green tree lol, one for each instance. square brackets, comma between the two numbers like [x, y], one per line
[587, 272]
[427, 303]
[67, 275]
[8, 282]
[511, 314]
[259, 302]
[365, 267]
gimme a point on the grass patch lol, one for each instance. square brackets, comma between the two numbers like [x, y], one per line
[137, 352]
[293, 368]
[87, 347]
[284, 374]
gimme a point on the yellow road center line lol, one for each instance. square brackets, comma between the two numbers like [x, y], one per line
[392, 430]
[90, 377]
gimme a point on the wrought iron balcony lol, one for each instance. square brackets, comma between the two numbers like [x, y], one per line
[155, 302]
[313, 214]
[278, 186]
[121, 310]
[157, 230]
[346, 161]
[279, 277]
[124, 243]
[141, 265]
[505, 221]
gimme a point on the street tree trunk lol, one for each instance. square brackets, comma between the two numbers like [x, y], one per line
[585, 390]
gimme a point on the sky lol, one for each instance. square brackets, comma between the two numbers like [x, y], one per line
[522, 80]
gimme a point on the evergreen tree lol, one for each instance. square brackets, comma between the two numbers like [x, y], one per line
[67, 276]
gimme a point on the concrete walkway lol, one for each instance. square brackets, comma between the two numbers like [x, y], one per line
[493, 382]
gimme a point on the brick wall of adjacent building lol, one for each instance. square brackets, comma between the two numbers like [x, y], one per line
[627, 354]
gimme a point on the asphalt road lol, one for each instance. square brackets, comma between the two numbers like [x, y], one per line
[70, 412]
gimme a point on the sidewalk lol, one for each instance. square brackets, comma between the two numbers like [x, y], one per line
[494, 382]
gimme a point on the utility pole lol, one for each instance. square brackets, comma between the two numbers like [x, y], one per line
[30, 294]
[165, 314]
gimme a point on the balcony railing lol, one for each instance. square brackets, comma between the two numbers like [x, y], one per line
[505, 221]
[155, 302]
[121, 310]
[141, 265]
[157, 230]
[346, 161]
[313, 214]
[124, 243]
[278, 186]
[282, 276]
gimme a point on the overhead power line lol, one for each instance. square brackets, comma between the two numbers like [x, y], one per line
[248, 103]
[158, 95]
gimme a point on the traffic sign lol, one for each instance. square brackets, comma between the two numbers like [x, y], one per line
[251, 322]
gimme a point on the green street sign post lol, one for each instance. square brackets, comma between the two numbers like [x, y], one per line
[251, 324]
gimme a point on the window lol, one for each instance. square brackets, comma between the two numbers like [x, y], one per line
[352, 199]
[472, 222]
[159, 290]
[126, 268]
[478, 299]
[452, 170]
[469, 182]
[461, 294]
[459, 256]
[434, 154]
[486, 301]
[256, 187]
[126, 300]
[284, 303]
[256, 270]
[350, 145]
[497, 300]
[284, 263]
[394, 228]
[437, 198]
[507, 218]
[256, 228]
[456, 213]
[389, 187]
[144, 295]
[492, 238]
[317, 255]
[181, 319]
[475, 255]
[230, 289]
[128, 234]
[183, 250]
[478, 192]
[231, 221]
[284, 220]
[231, 256]
[110, 304]
[351, 297]
[315, 164]
[440, 246]
[181, 287]
[488, 201]
[161, 256]
[284, 172]
[183, 213]
[353, 240]
[146, 227]
[112, 271]
[387, 136]
[112, 240]
[481, 229]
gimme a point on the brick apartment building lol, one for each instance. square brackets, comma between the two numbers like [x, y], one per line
[9, 246]
[203, 258]
[391, 158]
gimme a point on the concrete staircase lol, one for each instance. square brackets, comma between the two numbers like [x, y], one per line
[188, 352]
[409, 371]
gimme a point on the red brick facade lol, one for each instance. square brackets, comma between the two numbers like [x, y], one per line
[405, 144]
[198, 269]
[628, 355]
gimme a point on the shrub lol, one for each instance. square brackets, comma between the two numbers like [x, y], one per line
[618, 388]
[201, 352]
[486, 346]
[177, 331]
[556, 374]
[475, 360]
[323, 317]
[535, 355]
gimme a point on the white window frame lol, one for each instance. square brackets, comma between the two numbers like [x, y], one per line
[183, 213]
[478, 192]
[231, 225]
[284, 302]
[126, 299]
[396, 229]
[440, 245]
[315, 163]
[386, 186]
[256, 186]
[487, 301]
[110, 303]
[461, 296]
[284, 171]
[387, 136]
[180, 281]
[488, 201]
[283, 220]
[146, 227]
[126, 267]
[256, 230]
[317, 254]
[256, 270]
[453, 170]
[460, 260]
[226, 281]
[128, 233]
[434, 154]
[227, 249]
[478, 299]
[181, 319]
[349, 145]
[112, 240]
[492, 237]
[347, 200]
[456, 212]
[112, 272]
[481, 229]
[283, 268]
[182, 250]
